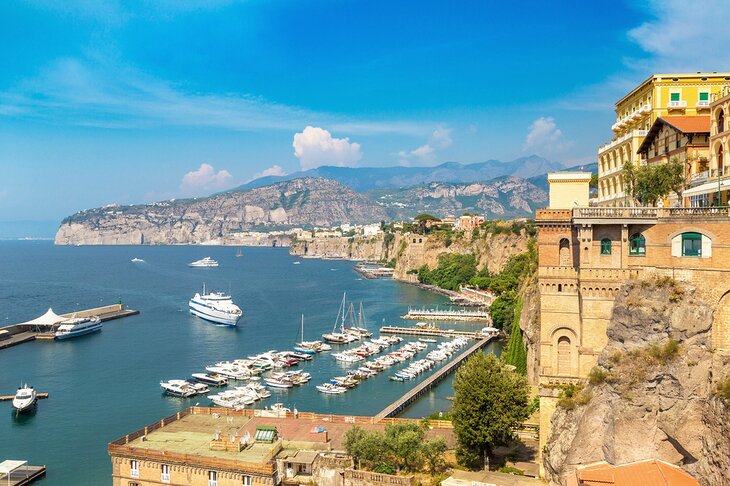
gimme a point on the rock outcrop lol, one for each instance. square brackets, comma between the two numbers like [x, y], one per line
[300, 202]
[650, 399]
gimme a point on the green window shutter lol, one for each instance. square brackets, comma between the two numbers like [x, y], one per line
[704, 96]
[674, 97]
[605, 246]
[691, 244]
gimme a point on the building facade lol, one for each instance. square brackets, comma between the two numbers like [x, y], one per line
[587, 253]
[659, 95]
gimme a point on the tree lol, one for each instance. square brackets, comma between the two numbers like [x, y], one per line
[490, 402]
[516, 354]
[364, 446]
[433, 453]
[404, 442]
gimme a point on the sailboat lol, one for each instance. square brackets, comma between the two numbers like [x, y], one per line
[360, 330]
[310, 347]
[341, 337]
[239, 252]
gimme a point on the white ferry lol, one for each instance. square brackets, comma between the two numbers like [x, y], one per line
[78, 326]
[215, 307]
[206, 262]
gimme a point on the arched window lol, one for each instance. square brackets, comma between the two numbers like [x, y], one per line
[720, 163]
[720, 121]
[637, 244]
[691, 244]
[564, 252]
[564, 355]
[605, 246]
[560, 287]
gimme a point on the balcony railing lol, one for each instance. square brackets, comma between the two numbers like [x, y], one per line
[615, 213]
[677, 104]
[622, 139]
[703, 104]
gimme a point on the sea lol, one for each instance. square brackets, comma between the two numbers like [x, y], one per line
[105, 385]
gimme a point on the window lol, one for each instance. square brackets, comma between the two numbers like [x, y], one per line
[720, 121]
[674, 97]
[637, 244]
[247, 481]
[165, 477]
[691, 244]
[605, 246]
[212, 478]
[134, 468]
[704, 96]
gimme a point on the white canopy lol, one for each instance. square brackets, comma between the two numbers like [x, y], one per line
[707, 188]
[47, 319]
[6, 467]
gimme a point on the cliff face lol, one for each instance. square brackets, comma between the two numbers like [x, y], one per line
[411, 251]
[653, 402]
[301, 202]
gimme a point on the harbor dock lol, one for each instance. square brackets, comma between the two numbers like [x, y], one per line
[431, 332]
[374, 272]
[29, 331]
[4, 398]
[18, 473]
[449, 314]
[403, 402]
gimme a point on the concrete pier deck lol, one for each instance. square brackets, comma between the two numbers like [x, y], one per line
[403, 402]
[24, 475]
[431, 332]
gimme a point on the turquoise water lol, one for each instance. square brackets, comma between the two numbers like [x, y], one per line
[105, 385]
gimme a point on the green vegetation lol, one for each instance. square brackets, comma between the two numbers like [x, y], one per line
[573, 395]
[650, 183]
[723, 389]
[452, 271]
[490, 402]
[511, 470]
[627, 369]
[516, 352]
[401, 447]
[597, 376]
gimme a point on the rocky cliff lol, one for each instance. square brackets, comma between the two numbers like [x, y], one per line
[300, 202]
[652, 395]
[411, 251]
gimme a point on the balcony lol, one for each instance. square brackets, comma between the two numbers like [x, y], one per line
[622, 139]
[703, 104]
[699, 178]
[677, 105]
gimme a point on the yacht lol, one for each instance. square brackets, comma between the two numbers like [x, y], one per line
[210, 379]
[215, 307]
[25, 399]
[178, 388]
[206, 262]
[78, 326]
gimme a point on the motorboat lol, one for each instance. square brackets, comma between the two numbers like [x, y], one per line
[229, 370]
[330, 389]
[78, 326]
[215, 307]
[211, 379]
[25, 399]
[280, 408]
[279, 383]
[427, 340]
[178, 388]
[206, 262]
[137, 260]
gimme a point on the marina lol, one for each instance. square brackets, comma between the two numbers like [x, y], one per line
[165, 342]
[449, 314]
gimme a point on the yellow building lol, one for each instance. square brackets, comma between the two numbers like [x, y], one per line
[659, 95]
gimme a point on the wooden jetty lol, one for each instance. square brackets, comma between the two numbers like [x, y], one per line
[23, 332]
[20, 475]
[447, 314]
[431, 332]
[403, 402]
[4, 398]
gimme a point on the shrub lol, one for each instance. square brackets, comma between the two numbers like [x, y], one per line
[573, 395]
[511, 470]
[597, 376]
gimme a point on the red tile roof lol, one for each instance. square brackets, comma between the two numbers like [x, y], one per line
[643, 473]
[689, 124]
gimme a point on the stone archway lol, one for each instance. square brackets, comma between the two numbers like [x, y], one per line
[564, 252]
[721, 324]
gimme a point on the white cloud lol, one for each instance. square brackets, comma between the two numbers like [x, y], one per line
[274, 170]
[315, 146]
[440, 138]
[544, 137]
[205, 180]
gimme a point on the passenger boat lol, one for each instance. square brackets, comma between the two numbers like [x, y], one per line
[211, 379]
[206, 262]
[215, 307]
[25, 399]
[78, 326]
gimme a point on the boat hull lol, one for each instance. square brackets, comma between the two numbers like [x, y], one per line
[80, 332]
[212, 315]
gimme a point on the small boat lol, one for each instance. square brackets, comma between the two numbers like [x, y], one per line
[210, 379]
[178, 388]
[229, 371]
[297, 263]
[427, 340]
[206, 262]
[215, 307]
[25, 399]
[308, 347]
[239, 252]
[330, 389]
[278, 383]
[78, 326]
[137, 260]
[395, 378]
[280, 408]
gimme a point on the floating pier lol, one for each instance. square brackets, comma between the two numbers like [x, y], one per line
[4, 398]
[431, 332]
[414, 394]
[28, 331]
[447, 314]
[18, 473]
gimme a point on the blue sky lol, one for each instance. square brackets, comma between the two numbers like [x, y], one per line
[128, 102]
